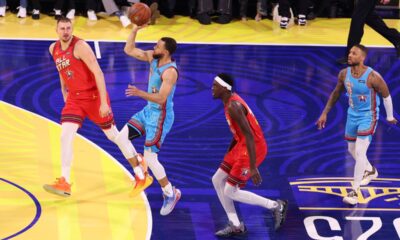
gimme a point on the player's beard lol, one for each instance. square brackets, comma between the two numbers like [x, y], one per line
[66, 38]
[353, 64]
[158, 56]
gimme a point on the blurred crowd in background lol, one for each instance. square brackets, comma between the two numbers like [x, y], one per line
[205, 11]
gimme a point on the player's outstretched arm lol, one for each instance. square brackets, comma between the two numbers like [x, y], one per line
[381, 87]
[237, 113]
[131, 49]
[321, 122]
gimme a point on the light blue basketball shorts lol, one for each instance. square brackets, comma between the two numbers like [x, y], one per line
[362, 126]
[154, 124]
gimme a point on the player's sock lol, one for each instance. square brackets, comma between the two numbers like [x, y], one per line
[219, 181]
[167, 190]
[138, 172]
[68, 131]
[362, 145]
[238, 195]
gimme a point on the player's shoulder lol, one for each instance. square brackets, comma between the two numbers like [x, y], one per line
[342, 74]
[374, 75]
[51, 47]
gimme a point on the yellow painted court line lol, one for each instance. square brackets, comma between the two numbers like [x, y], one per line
[391, 199]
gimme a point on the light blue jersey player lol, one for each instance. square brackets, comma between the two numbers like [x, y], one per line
[363, 86]
[157, 117]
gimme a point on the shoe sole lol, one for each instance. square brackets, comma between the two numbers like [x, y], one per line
[136, 191]
[350, 201]
[178, 193]
[367, 181]
[52, 190]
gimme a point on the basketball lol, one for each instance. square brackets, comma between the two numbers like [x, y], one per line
[139, 14]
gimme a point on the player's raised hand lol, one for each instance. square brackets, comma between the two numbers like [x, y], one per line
[255, 176]
[321, 121]
[137, 28]
[131, 91]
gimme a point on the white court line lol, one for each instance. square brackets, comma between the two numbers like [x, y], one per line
[210, 43]
[97, 49]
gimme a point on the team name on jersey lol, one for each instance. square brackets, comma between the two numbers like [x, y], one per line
[62, 62]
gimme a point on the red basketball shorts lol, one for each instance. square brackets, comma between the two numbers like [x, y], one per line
[237, 163]
[80, 105]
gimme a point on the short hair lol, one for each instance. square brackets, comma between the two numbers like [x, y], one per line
[363, 48]
[63, 19]
[227, 78]
[170, 44]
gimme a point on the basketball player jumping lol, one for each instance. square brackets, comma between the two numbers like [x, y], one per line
[363, 85]
[84, 92]
[157, 117]
[246, 152]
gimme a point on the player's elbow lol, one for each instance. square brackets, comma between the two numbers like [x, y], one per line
[161, 101]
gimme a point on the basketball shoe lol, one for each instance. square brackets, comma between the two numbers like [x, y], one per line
[280, 213]
[170, 202]
[368, 176]
[351, 198]
[59, 187]
[231, 230]
[141, 184]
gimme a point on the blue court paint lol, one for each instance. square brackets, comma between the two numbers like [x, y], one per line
[285, 86]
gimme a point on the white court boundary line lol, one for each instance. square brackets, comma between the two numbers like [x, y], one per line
[206, 43]
[144, 197]
[97, 49]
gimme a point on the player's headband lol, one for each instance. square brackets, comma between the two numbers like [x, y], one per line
[223, 83]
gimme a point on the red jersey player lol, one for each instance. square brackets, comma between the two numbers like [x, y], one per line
[246, 152]
[84, 92]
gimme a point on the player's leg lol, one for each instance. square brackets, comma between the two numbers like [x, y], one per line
[370, 170]
[240, 174]
[351, 136]
[170, 193]
[219, 182]
[62, 185]
[158, 124]
[72, 117]
[366, 130]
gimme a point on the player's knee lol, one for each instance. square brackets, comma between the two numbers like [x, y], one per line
[112, 133]
[155, 166]
[230, 191]
[216, 179]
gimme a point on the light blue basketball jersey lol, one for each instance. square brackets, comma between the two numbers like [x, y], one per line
[362, 100]
[155, 81]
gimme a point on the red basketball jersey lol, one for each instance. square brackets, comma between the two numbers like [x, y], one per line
[254, 126]
[74, 72]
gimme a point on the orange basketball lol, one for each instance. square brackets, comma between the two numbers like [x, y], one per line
[139, 14]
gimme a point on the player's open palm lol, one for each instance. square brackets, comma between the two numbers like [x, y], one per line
[255, 176]
[131, 91]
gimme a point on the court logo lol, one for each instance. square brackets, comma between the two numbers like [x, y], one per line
[382, 194]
